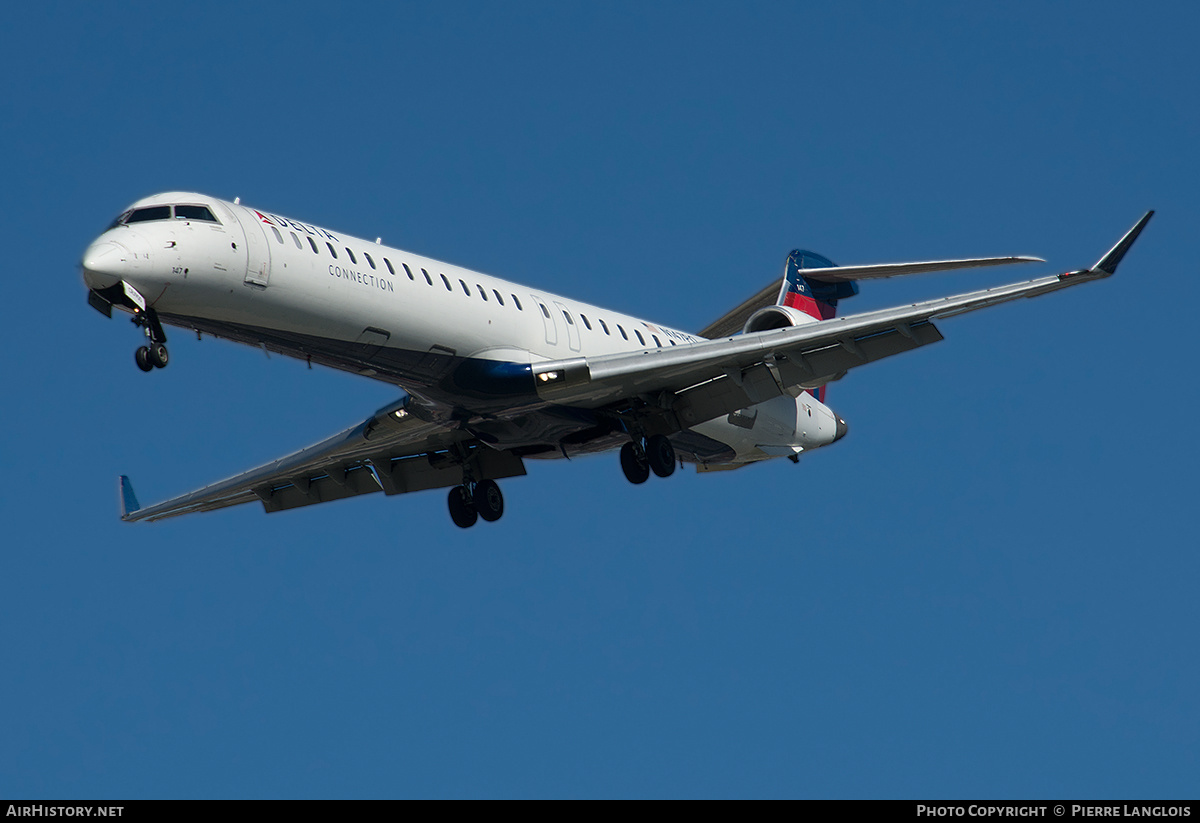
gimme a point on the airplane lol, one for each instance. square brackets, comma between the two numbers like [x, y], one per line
[491, 374]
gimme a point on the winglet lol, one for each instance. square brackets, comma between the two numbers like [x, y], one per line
[1108, 263]
[129, 502]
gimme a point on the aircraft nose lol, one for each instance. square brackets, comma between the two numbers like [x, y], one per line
[105, 264]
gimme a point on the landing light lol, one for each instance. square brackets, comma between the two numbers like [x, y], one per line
[400, 414]
[547, 376]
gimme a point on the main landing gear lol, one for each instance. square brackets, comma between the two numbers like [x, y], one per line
[471, 501]
[638, 459]
[155, 354]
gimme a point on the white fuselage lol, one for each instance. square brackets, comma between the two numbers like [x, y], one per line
[393, 315]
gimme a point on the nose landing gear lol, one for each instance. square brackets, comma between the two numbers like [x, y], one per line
[155, 354]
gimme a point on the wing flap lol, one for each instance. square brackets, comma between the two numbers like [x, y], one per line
[303, 490]
[791, 374]
[412, 474]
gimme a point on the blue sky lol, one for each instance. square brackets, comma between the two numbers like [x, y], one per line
[986, 590]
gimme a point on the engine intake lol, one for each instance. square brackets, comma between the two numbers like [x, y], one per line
[776, 317]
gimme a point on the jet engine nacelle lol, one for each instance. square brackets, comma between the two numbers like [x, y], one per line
[776, 317]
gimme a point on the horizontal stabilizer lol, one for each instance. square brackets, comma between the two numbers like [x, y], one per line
[732, 321]
[840, 274]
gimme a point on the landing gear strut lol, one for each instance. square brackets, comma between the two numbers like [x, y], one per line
[639, 459]
[155, 354]
[472, 500]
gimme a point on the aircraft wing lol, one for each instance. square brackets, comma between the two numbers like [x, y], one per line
[399, 449]
[700, 381]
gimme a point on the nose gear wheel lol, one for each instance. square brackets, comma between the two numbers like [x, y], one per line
[155, 354]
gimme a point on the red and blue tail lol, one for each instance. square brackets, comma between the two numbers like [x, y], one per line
[816, 298]
[808, 294]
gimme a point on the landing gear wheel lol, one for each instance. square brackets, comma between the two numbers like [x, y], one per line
[634, 464]
[489, 503]
[661, 455]
[158, 355]
[142, 356]
[462, 509]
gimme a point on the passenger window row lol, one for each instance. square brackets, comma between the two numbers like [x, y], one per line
[588, 325]
[392, 269]
[465, 288]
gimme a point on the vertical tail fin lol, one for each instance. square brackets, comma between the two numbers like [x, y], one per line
[815, 298]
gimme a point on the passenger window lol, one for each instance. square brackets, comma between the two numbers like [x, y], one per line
[657, 342]
[499, 299]
[296, 240]
[583, 317]
[545, 311]
[391, 269]
[370, 262]
[641, 339]
[352, 260]
[314, 245]
[672, 342]
[482, 292]
[196, 213]
[622, 331]
[604, 326]
[428, 279]
[570, 322]
[278, 236]
[447, 282]
[332, 250]
[466, 290]
[517, 303]
[408, 271]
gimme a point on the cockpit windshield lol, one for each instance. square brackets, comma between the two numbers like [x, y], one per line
[178, 212]
[194, 213]
[148, 214]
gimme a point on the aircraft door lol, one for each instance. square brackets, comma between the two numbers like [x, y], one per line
[572, 328]
[258, 254]
[547, 320]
